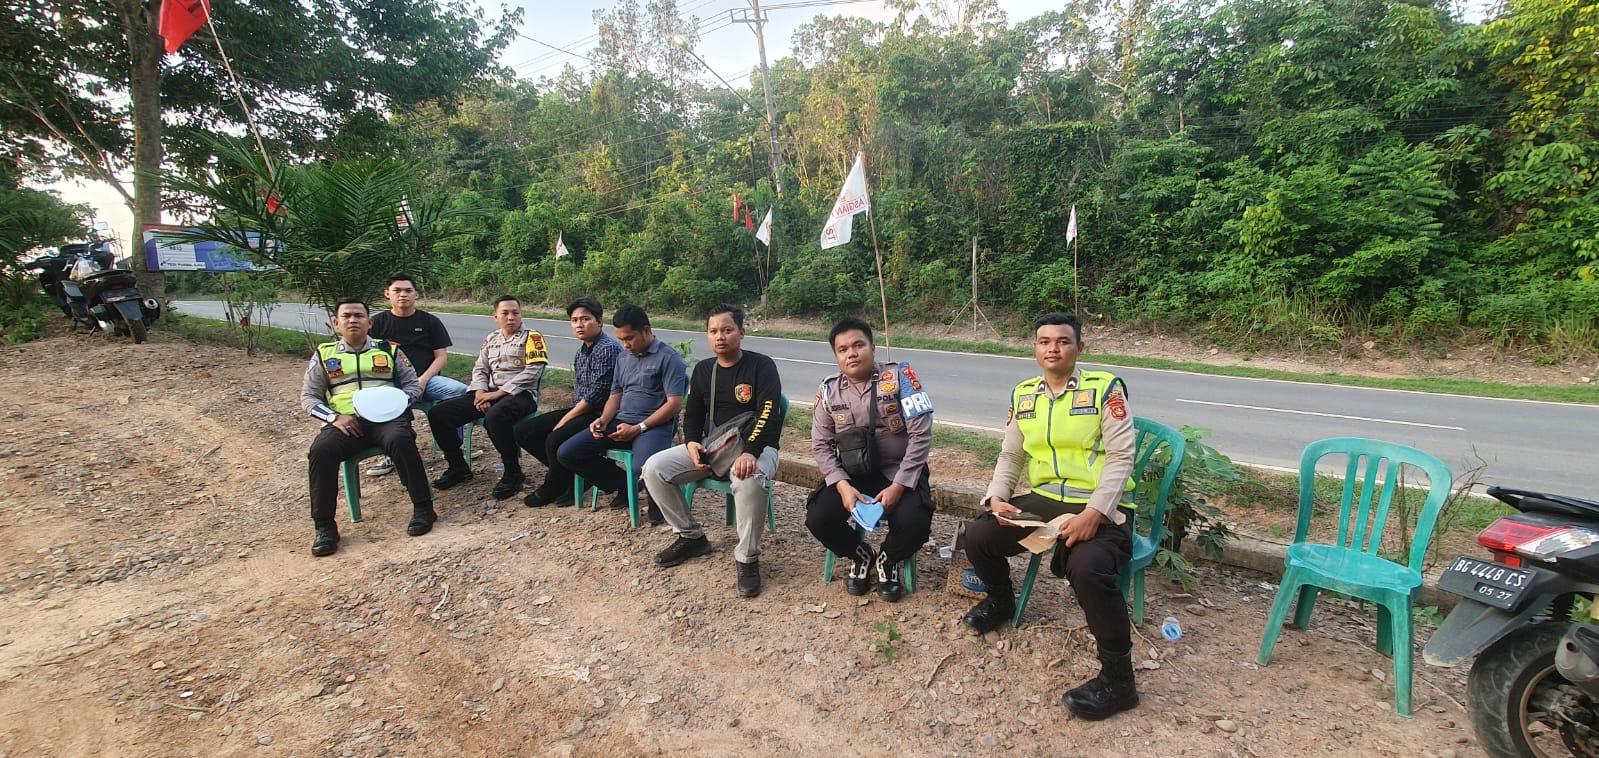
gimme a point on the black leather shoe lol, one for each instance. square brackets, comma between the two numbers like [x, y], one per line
[509, 485]
[541, 498]
[682, 550]
[749, 578]
[326, 541]
[620, 501]
[991, 613]
[1108, 694]
[653, 513]
[451, 477]
[859, 581]
[421, 522]
[888, 581]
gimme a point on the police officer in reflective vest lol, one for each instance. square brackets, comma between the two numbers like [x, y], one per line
[1072, 432]
[339, 369]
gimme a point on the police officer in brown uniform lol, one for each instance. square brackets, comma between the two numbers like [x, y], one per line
[504, 390]
[901, 430]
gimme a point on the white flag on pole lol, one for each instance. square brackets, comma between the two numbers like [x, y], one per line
[851, 200]
[560, 248]
[1071, 226]
[764, 231]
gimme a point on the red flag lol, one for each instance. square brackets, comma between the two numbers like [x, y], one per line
[749, 219]
[273, 204]
[736, 206]
[180, 19]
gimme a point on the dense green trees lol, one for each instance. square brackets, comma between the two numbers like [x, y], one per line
[1303, 170]
[86, 90]
[1291, 170]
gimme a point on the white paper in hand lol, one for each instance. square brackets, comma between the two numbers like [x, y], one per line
[379, 404]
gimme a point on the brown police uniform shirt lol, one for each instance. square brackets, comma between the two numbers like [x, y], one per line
[507, 363]
[902, 447]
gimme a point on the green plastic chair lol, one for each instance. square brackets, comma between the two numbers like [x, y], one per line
[349, 470]
[1352, 565]
[623, 456]
[1151, 436]
[725, 486]
[907, 574]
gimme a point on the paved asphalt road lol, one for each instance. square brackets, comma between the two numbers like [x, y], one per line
[1526, 444]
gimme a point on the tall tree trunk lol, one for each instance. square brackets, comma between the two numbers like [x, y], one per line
[139, 23]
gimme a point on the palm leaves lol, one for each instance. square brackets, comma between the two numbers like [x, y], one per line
[336, 229]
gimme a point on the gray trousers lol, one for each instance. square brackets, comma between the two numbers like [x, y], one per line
[666, 470]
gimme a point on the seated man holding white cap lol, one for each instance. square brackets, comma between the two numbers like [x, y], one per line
[335, 374]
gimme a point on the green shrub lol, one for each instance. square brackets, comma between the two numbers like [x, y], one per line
[830, 283]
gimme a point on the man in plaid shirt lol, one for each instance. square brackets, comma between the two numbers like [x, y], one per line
[592, 368]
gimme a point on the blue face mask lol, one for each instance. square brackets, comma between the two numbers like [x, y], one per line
[867, 514]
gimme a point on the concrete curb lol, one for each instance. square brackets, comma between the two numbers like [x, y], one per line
[965, 501]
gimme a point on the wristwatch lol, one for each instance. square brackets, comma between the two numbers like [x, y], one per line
[643, 426]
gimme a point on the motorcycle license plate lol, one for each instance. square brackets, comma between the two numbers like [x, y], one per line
[1486, 582]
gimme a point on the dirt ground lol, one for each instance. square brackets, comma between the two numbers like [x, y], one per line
[157, 597]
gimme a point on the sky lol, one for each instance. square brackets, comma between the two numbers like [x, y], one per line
[728, 48]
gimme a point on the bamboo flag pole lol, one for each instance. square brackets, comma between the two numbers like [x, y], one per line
[238, 94]
[1076, 306]
[882, 291]
[1071, 239]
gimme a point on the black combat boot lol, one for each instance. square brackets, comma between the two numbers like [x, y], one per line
[1108, 694]
[859, 581]
[993, 612]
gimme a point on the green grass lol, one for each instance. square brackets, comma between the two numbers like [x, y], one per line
[273, 340]
[1559, 394]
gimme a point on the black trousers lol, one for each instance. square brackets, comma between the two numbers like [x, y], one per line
[541, 437]
[500, 422]
[1091, 566]
[332, 447]
[909, 523]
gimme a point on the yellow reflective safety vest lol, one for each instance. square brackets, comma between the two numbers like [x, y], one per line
[1065, 446]
[350, 371]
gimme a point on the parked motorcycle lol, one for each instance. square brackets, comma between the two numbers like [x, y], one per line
[83, 281]
[1534, 688]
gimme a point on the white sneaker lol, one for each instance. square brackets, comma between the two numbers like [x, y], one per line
[382, 467]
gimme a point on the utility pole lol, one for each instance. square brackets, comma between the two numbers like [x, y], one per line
[756, 20]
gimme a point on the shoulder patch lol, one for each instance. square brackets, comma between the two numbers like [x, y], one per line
[534, 348]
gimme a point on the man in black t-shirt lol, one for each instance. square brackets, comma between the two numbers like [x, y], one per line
[423, 339]
[737, 381]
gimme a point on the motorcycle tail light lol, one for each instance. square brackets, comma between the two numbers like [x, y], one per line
[1535, 541]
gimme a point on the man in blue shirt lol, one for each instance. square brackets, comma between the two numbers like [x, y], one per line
[647, 391]
[592, 369]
